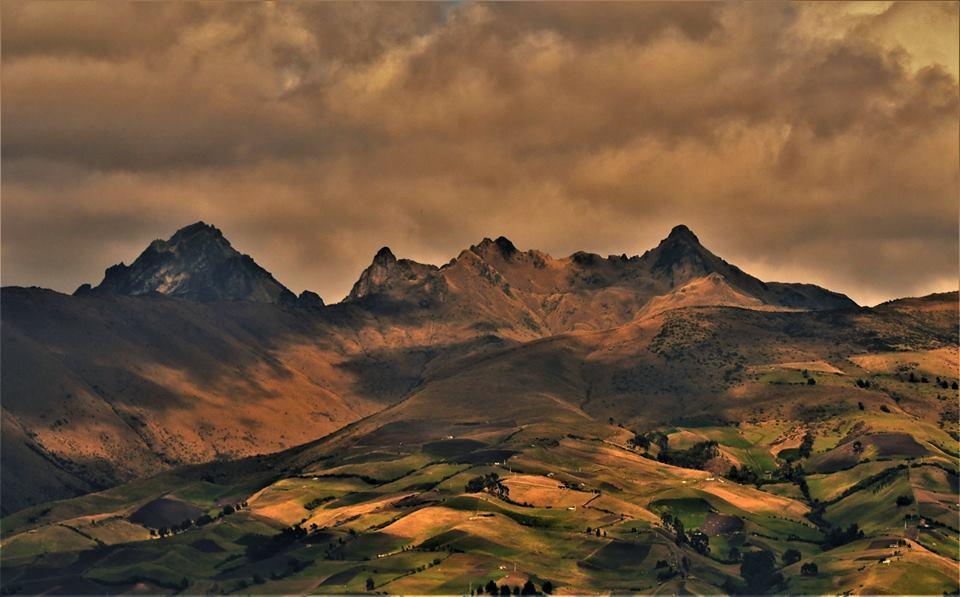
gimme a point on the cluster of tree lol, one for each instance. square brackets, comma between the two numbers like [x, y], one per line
[696, 456]
[203, 520]
[699, 541]
[759, 570]
[317, 502]
[944, 384]
[680, 535]
[665, 571]
[597, 530]
[863, 383]
[839, 536]
[651, 438]
[528, 588]
[294, 565]
[904, 500]
[491, 483]
[791, 556]
[912, 378]
[268, 546]
[743, 475]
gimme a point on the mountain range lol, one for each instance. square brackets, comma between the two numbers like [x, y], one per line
[193, 371]
[147, 352]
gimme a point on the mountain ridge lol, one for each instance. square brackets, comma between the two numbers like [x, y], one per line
[173, 361]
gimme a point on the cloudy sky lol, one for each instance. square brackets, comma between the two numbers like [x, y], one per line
[803, 142]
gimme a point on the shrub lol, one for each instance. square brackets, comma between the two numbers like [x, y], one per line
[809, 569]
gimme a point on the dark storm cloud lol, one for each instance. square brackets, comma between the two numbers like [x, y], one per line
[801, 141]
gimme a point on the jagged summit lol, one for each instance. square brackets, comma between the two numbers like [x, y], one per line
[196, 229]
[196, 263]
[387, 275]
[384, 256]
[501, 245]
[680, 257]
[680, 232]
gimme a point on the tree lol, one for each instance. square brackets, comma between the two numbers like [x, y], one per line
[700, 542]
[639, 441]
[734, 554]
[678, 530]
[809, 569]
[860, 405]
[811, 381]
[598, 532]
[528, 588]
[791, 556]
[806, 445]
[547, 587]
[758, 569]
[904, 500]
[744, 475]
[837, 537]
[504, 589]
[491, 588]
[370, 584]
[954, 386]
[858, 447]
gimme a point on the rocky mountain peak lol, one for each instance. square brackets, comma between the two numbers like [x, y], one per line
[681, 233]
[681, 257]
[501, 247]
[387, 275]
[384, 257]
[196, 263]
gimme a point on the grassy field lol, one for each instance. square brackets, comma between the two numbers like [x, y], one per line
[569, 504]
